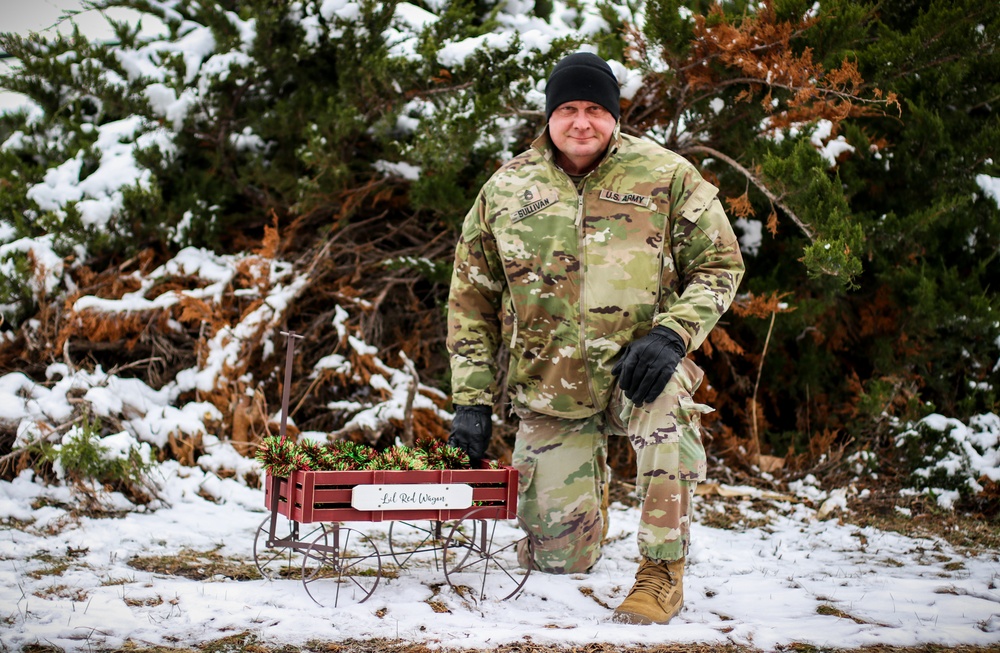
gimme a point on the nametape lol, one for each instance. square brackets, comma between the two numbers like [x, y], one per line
[626, 198]
[531, 209]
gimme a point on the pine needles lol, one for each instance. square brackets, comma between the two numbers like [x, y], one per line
[280, 457]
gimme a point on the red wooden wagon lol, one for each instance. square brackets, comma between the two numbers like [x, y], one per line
[457, 514]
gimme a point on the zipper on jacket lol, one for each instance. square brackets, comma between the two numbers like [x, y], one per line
[513, 333]
[510, 354]
[583, 296]
[668, 247]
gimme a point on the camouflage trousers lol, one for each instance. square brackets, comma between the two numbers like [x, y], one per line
[562, 500]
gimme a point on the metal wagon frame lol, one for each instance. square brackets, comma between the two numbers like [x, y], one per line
[342, 565]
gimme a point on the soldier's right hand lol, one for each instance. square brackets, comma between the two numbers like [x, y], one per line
[471, 431]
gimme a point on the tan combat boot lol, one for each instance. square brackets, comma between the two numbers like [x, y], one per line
[657, 595]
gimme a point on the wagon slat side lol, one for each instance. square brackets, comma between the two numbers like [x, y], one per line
[308, 496]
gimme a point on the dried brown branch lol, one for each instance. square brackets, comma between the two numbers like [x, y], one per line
[410, 396]
[756, 385]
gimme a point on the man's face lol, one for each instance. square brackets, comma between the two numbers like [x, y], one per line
[581, 131]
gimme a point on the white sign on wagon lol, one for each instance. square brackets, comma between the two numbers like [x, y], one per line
[443, 496]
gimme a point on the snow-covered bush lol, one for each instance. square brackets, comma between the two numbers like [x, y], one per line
[951, 459]
[94, 463]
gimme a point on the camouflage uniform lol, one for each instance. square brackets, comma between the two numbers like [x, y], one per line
[566, 279]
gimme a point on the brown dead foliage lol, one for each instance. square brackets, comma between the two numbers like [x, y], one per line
[342, 252]
[109, 284]
[758, 306]
[121, 330]
[755, 53]
[391, 308]
[752, 57]
[741, 206]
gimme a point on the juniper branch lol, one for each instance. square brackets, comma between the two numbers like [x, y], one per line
[757, 182]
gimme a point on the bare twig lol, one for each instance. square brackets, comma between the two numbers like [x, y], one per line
[756, 386]
[443, 89]
[820, 91]
[411, 369]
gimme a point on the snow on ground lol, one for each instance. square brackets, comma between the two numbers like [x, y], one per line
[797, 579]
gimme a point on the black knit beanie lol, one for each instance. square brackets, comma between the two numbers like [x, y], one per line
[582, 76]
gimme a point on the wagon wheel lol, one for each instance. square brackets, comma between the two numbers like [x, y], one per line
[431, 536]
[484, 565]
[341, 567]
[428, 535]
[279, 559]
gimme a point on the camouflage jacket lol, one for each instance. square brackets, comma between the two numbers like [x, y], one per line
[567, 279]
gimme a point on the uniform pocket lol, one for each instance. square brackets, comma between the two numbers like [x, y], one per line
[698, 201]
[525, 467]
[673, 418]
[509, 323]
[692, 450]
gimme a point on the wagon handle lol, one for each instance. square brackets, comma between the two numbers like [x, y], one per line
[272, 539]
[286, 390]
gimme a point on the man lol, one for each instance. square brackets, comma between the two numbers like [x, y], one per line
[600, 260]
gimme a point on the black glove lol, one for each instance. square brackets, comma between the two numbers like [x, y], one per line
[471, 430]
[648, 363]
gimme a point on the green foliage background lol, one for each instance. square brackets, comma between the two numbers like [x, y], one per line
[893, 305]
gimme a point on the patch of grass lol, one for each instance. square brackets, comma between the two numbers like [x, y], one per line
[245, 642]
[970, 533]
[74, 594]
[49, 502]
[56, 565]
[831, 611]
[726, 513]
[366, 646]
[436, 604]
[132, 647]
[196, 565]
[328, 571]
[588, 592]
[17, 525]
[148, 602]
[55, 569]
[41, 648]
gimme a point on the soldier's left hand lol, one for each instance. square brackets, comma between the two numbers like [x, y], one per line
[648, 363]
[471, 430]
